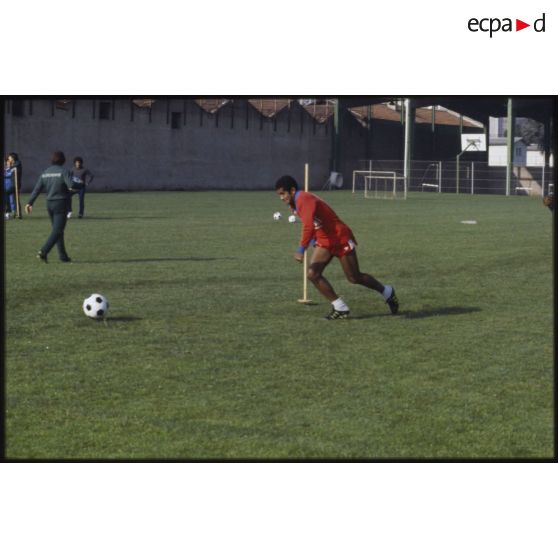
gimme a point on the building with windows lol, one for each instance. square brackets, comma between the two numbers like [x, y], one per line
[524, 155]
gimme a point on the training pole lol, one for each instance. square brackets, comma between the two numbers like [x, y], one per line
[16, 188]
[305, 299]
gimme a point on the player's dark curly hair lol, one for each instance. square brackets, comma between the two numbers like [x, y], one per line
[78, 159]
[286, 182]
[58, 158]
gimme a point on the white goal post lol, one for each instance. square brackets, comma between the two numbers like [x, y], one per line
[358, 178]
[380, 184]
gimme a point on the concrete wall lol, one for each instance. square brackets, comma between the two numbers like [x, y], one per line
[236, 148]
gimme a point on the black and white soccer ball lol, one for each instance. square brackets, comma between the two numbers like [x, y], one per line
[95, 306]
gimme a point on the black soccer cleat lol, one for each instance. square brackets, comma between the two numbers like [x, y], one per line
[393, 302]
[42, 256]
[66, 259]
[337, 314]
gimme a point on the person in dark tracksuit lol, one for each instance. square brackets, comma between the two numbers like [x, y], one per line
[58, 184]
[81, 178]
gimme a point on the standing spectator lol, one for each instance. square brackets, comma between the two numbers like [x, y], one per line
[81, 178]
[8, 188]
[12, 180]
[58, 183]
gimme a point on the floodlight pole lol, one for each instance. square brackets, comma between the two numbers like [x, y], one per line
[547, 144]
[510, 144]
[336, 136]
[368, 131]
[409, 120]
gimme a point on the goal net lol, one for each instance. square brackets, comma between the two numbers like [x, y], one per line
[380, 184]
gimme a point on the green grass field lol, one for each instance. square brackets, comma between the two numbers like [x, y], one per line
[207, 354]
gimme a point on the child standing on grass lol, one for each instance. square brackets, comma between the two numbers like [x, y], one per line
[11, 205]
[8, 189]
[81, 178]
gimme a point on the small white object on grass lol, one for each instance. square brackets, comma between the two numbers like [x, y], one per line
[292, 219]
[276, 216]
[469, 222]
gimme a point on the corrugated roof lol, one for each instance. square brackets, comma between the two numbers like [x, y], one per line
[381, 111]
[270, 107]
[321, 112]
[387, 111]
[444, 116]
[211, 105]
[143, 103]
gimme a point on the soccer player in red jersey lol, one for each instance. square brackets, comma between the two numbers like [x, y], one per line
[331, 238]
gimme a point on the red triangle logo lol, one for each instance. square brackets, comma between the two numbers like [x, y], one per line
[519, 25]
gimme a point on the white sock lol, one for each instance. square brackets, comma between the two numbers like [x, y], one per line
[340, 305]
[388, 289]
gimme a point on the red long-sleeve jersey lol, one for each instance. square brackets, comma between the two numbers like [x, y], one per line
[319, 221]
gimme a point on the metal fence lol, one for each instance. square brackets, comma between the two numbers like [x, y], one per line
[469, 177]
